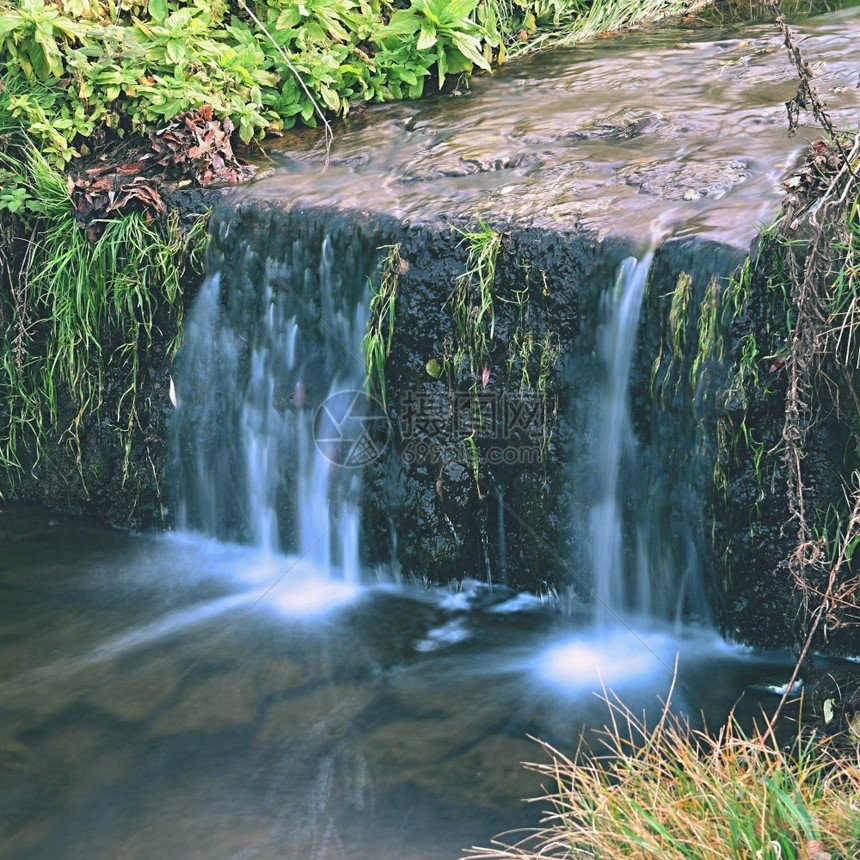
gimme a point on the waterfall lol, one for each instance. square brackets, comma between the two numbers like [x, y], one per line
[271, 342]
[271, 371]
[616, 443]
[635, 566]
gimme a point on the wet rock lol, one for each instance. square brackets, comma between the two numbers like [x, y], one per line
[664, 179]
[622, 125]
[486, 774]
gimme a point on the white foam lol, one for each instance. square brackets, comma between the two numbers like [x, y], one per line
[441, 637]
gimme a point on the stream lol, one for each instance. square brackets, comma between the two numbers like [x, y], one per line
[247, 686]
[181, 698]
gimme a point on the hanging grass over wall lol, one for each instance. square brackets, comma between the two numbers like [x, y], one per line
[75, 306]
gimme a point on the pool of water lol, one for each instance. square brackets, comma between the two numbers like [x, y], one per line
[174, 697]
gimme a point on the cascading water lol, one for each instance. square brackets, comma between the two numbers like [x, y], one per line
[638, 589]
[270, 339]
[276, 333]
[637, 574]
[616, 446]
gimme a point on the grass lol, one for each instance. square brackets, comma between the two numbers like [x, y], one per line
[376, 345]
[84, 305]
[561, 23]
[472, 303]
[755, 11]
[844, 304]
[673, 792]
[677, 334]
[709, 344]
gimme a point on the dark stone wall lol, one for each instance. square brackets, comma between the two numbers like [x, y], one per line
[428, 514]
[754, 534]
[90, 478]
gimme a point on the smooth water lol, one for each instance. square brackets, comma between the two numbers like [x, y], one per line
[260, 380]
[183, 698]
[613, 430]
[682, 125]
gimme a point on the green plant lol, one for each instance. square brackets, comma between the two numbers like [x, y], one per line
[15, 196]
[709, 342]
[677, 325]
[475, 458]
[472, 302]
[376, 344]
[34, 34]
[678, 313]
[844, 304]
[536, 25]
[85, 305]
[676, 793]
[447, 29]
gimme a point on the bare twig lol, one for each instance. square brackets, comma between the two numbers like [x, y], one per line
[807, 96]
[826, 611]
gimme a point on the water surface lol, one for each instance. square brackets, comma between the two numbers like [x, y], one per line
[159, 699]
[686, 127]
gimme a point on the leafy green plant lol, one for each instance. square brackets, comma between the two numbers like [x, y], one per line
[34, 34]
[15, 196]
[445, 28]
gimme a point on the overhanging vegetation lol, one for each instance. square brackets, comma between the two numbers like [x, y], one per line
[76, 71]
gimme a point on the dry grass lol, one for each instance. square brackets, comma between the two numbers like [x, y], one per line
[674, 792]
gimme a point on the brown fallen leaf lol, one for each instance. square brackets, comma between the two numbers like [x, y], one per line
[815, 850]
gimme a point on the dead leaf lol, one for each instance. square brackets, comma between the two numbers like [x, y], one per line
[778, 362]
[815, 850]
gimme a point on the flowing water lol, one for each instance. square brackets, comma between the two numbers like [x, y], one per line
[685, 126]
[615, 434]
[159, 699]
[249, 461]
[241, 688]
